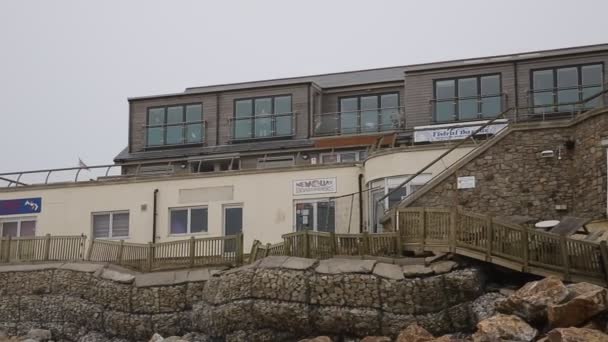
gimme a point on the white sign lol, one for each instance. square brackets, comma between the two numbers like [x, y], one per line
[466, 182]
[315, 186]
[455, 131]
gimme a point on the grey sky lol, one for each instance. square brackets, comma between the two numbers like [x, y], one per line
[67, 67]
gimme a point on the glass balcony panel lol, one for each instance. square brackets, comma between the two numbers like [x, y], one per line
[156, 136]
[491, 106]
[175, 135]
[263, 127]
[467, 109]
[194, 133]
[242, 129]
[543, 102]
[283, 125]
[444, 111]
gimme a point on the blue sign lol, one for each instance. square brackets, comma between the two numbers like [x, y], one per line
[21, 206]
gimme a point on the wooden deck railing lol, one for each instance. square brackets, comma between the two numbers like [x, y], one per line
[485, 238]
[193, 252]
[42, 248]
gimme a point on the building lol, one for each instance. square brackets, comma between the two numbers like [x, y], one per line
[326, 152]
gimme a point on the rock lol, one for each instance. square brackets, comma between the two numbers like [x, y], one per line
[39, 335]
[156, 338]
[484, 306]
[576, 335]
[196, 337]
[504, 327]
[414, 333]
[443, 266]
[318, 339]
[411, 271]
[588, 301]
[531, 301]
[431, 259]
[174, 339]
[376, 339]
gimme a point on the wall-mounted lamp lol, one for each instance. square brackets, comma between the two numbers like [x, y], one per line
[547, 154]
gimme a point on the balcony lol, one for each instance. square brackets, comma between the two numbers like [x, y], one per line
[359, 121]
[468, 108]
[266, 126]
[562, 102]
[175, 134]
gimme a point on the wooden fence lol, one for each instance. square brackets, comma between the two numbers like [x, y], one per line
[323, 245]
[193, 252]
[42, 248]
[486, 238]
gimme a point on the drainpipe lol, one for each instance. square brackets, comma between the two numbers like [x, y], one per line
[360, 203]
[154, 213]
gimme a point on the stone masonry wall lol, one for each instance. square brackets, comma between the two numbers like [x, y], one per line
[277, 298]
[513, 179]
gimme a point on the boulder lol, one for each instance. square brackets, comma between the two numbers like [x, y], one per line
[376, 339]
[587, 300]
[414, 333]
[576, 335]
[39, 335]
[485, 306]
[504, 327]
[156, 338]
[530, 302]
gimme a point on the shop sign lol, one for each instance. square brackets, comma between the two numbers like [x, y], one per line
[21, 206]
[315, 186]
[454, 132]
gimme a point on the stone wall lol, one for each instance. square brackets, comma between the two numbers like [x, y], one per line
[513, 179]
[277, 298]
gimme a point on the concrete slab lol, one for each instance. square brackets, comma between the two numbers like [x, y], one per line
[385, 260]
[410, 271]
[181, 277]
[29, 267]
[389, 271]
[200, 275]
[295, 263]
[86, 267]
[275, 261]
[434, 258]
[335, 266]
[409, 261]
[155, 279]
[117, 276]
[443, 266]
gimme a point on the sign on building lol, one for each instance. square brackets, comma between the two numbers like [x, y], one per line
[21, 206]
[315, 186]
[466, 182]
[455, 131]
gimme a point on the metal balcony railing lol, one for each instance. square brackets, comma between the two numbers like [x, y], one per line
[359, 121]
[542, 104]
[469, 108]
[263, 126]
[176, 134]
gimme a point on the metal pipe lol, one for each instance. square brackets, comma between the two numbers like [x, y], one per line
[154, 213]
[360, 203]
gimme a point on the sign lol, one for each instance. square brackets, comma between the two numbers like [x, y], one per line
[455, 131]
[315, 186]
[21, 206]
[465, 182]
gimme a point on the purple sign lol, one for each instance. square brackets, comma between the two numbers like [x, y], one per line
[21, 206]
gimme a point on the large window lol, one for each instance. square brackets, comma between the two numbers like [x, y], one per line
[15, 227]
[467, 98]
[343, 157]
[369, 113]
[381, 187]
[318, 215]
[175, 125]
[556, 89]
[111, 225]
[263, 117]
[188, 220]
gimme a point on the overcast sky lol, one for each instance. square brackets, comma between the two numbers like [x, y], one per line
[68, 67]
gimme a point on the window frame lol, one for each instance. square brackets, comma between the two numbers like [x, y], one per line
[358, 111]
[338, 155]
[315, 202]
[478, 78]
[18, 219]
[270, 116]
[184, 124]
[555, 90]
[111, 223]
[188, 221]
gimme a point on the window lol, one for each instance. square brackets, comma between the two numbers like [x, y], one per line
[188, 220]
[318, 215]
[175, 125]
[16, 227]
[369, 113]
[381, 187]
[343, 157]
[272, 162]
[263, 117]
[557, 89]
[111, 225]
[467, 98]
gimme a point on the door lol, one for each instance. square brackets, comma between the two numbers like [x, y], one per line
[233, 225]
